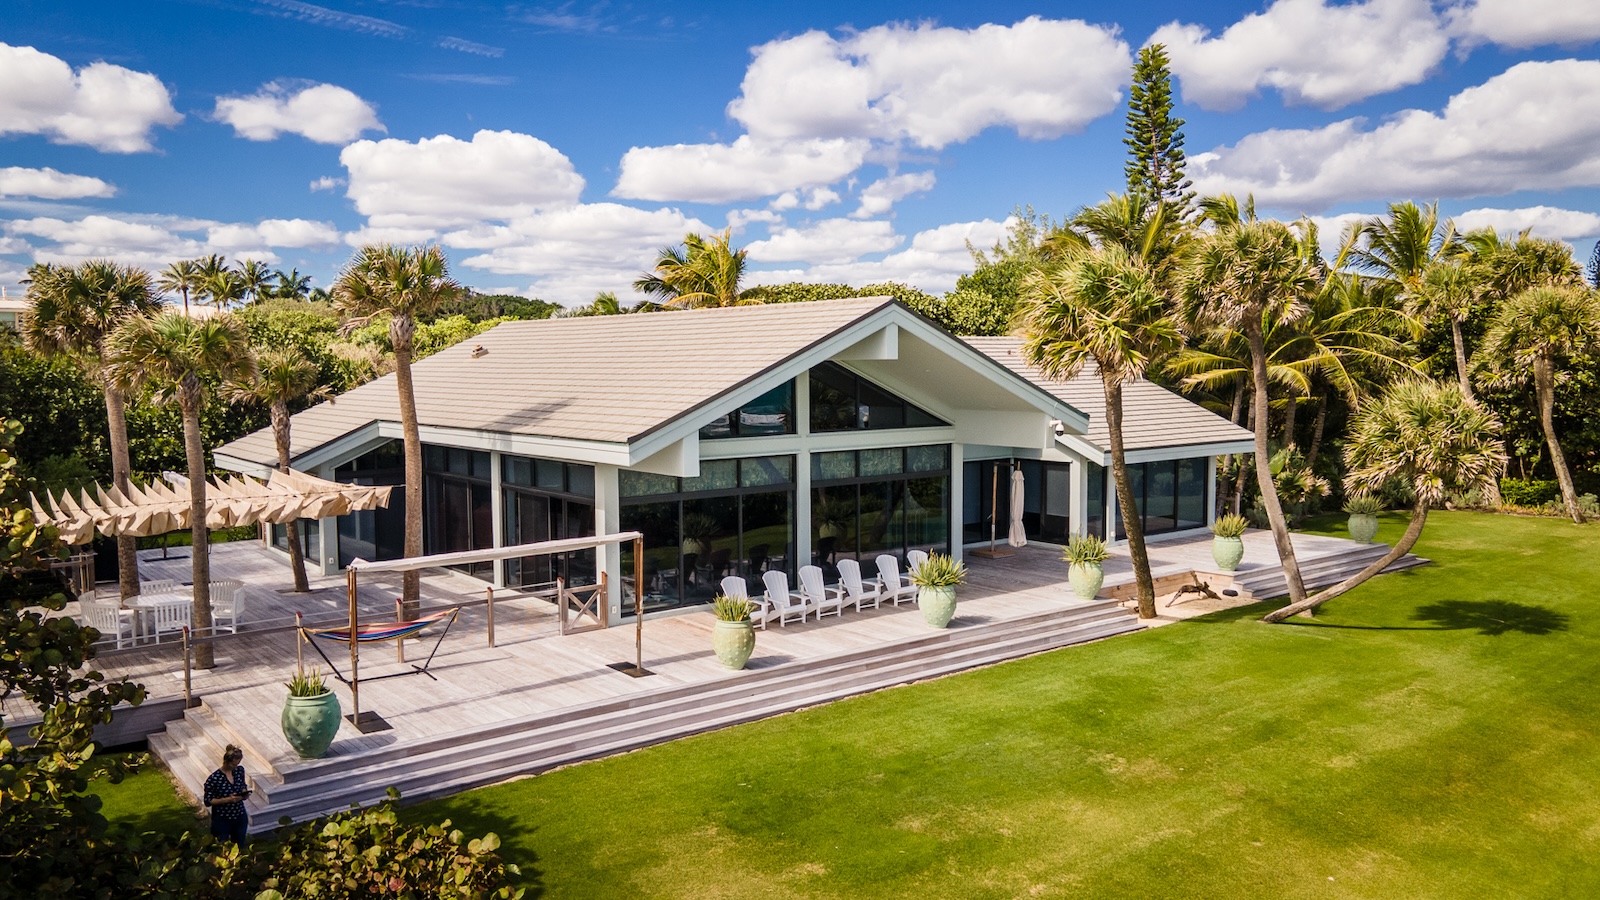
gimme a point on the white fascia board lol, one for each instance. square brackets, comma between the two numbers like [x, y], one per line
[593, 452]
[881, 344]
[242, 466]
[681, 459]
[1156, 454]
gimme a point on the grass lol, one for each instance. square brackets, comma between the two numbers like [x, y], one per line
[1430, 735]
[146, 801]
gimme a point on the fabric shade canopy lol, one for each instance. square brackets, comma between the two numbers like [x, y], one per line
[1018, 535]
[162, 507]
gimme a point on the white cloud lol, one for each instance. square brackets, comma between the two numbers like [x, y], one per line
[739, 218]
[1526, 23]
[574, 252]
[101, 105]
[827, 241]
[325, 113]
[326, 183]
[934, 86]
[49, 184]
[1533, 127]
[443, 181]
[880, 196]
[933, 262]
[813, 199]
[137, 243]
[1545, 221]
[1313, 53]
[742, 170]
[275, 233]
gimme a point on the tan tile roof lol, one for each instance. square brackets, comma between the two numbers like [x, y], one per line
[601, 378]
[1152, 416]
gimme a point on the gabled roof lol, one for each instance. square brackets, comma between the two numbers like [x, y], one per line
[610, 379]
[1153, 417]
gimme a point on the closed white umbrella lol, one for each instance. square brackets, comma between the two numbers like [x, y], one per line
[1017, 537]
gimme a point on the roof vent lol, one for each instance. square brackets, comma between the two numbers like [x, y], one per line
[478, 351]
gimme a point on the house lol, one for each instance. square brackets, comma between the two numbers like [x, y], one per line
[11, 309]
[740, 440]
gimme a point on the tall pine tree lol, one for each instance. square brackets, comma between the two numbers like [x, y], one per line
[1155, 143]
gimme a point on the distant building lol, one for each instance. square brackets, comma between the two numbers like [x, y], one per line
[10, 308]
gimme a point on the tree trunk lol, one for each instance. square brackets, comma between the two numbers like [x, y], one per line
[1290, 407]
[1131, 522]
[1419, 517]
[121, 465]
[1269, 490]
[1316, 431]
[199, 554]
[297, 558]
[1461, 358]
[1544, 382]
[401, 330]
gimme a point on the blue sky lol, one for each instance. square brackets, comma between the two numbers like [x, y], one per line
[553, 148]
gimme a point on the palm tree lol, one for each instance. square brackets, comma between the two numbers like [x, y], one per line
[180, 357]
[1538, 330]
[1108, 308]
[255, 279]
[1430, 439]
[73, 312]
[1513, 266]
[1400, 246]
[224, 287]
[1246, 278]
[1153, 233]
[185, 277]
[705, 271]
[1448, 289]
[405, 283]
[282, 376]
[291, 285]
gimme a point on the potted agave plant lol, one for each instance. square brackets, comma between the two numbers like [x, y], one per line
[937, 577]
[1085, 555]
[734, 638]
[1227, 542]
[1363, 510]
[310, 715]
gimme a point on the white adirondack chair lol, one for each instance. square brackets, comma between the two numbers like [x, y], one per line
[227, 604]
[734, 586]
[785, 604]
[915, 558]
[170, 616]
[112, 621]
[857, 592]
[821, 598]
[895, 586]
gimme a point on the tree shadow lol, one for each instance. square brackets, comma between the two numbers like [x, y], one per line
[1492, 617]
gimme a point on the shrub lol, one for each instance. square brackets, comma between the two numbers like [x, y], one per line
[1529, 491]
[939, 570]
[1085, 549]
[731, 609]
[1363, 505]
[304, 685]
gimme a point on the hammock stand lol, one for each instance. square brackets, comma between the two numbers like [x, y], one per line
[382, 631]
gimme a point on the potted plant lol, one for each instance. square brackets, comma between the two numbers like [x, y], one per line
[1085, 555]
[1363, 510]
[310, 715]
[829, 516]
[734, 638]
[1227, 545]
[698, 530]
[937, 578]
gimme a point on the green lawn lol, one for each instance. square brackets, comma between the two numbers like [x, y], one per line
[1430, 735]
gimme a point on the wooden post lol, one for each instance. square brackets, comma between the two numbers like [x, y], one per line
[489, 605]
[355, 653]
[399, 642]
[188, 693]
[638, 603]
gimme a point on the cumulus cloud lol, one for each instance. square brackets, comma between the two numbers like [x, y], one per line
[827, 241]
[813, 199]
[103, 106]
[1532, 127]
[155, 241]
[326, 183]
[1526, 23]
[880, 196]
[275, 233]
[933, 261]
[1544, 221]
[325, 113]
[1313, 53]
[49, 184]
[932, 85]
[742, 170]
[443, 182]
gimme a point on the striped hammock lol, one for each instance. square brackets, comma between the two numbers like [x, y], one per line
[381, 631]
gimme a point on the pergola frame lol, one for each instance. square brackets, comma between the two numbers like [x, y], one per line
[540, 548]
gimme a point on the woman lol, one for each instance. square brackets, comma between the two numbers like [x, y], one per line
[225, 795]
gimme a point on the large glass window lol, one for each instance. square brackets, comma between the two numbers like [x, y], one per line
[547, 500]
[1170, 494]
[379, 533]
[1046, 499]
[841, 400]
[736, 518]
[770, 413]
[458, 511]
[868, 502]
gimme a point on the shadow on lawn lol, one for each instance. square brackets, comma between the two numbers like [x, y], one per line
[1492, 617]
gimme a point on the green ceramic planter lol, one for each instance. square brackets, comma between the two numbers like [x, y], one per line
[1085, 579]
[310, 723]
[938, 605]
[1363, 528]
[733, 643]
[1227, 551]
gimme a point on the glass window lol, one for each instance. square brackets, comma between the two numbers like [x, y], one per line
[1095, 519]
[764, 470]
[889, 461]
[928, 459]
[645, 484]
[831, 466]
[879, 408]
[833, 399]
[580, 479]
[715, 475]
[516, 470]
[1192, 493]
[549, 474]
[1161, 497]
[770, 413]
[379, 533]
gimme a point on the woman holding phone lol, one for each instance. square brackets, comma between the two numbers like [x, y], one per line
[225, 794]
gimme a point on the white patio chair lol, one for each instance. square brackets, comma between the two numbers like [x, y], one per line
[785, 604]
[734, 586]
[915, 558]
[821, 598]
[895, 585]
[855, 591]
[157, 586]
[169, 616]
[227, 604]
[110, 620]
